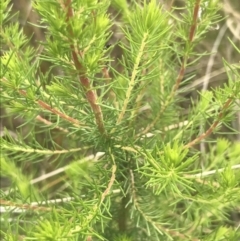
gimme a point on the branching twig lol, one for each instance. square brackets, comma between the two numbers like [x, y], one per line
[49, 123]
[212, 127]
[194, 22]
[91, 216]
[149, 219]
[207, 74]
[63, 169]
[110, 184]
[181, 71]
[76, 54]
[19, 208]
[208, 173]
[45, 106]
[133, 78]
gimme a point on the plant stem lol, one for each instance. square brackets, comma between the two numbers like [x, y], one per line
[91, 95]
[181, 71]
[212, 127]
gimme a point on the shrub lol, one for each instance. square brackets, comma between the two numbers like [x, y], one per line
[104, 149]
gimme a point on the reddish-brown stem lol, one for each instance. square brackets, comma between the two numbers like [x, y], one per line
[212, 127]
[69, 9]
[181, 72]
[190, 40]
[47, 122]
[194, 22]
[54, 111]
[105, 74]
[62, 115]
[91, 95]
[180, 77]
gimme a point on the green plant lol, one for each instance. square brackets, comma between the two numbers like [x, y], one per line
[121, 159]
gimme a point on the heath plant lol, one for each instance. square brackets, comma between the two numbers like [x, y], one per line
[103, 148]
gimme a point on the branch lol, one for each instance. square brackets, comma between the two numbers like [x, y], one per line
[90, 94]
[49, 123]
[181, 71]
[157, 226]
[45, 106]
[212, 127]
[133, 78]
[10, 207]
[110, 184]
[208, 173]
[192, 32]
[95, 208]
[63, 169]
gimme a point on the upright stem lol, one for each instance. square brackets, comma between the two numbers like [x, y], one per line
[132, 81]
[181, 72]
[91, 95]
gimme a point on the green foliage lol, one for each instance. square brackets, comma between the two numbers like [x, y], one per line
[106, 138]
